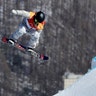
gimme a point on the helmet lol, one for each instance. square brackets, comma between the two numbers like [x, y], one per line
[40, 16]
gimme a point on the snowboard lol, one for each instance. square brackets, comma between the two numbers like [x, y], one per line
[24, 49]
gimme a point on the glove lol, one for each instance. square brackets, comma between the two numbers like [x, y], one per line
[14, 12]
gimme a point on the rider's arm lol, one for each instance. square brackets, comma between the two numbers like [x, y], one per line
[22, 13]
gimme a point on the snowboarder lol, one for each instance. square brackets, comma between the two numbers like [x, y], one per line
[32, 23]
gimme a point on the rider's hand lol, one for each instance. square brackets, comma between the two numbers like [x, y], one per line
[14, 12]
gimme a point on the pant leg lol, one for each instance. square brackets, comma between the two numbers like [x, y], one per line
[18, 33]
[34, 40]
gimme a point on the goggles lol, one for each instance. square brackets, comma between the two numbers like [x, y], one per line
[36, 21]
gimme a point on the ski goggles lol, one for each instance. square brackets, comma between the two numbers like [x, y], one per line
[36, 21]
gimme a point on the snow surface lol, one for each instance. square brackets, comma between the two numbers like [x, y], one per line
[85, 86]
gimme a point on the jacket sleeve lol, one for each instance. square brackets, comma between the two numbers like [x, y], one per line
[21, 13]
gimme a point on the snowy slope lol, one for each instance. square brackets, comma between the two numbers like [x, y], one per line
[85, 86]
